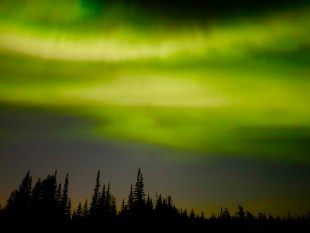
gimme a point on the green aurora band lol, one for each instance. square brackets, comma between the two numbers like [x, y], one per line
[221, 87]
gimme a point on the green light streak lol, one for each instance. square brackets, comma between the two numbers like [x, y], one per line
[216, 89]
[237, 41]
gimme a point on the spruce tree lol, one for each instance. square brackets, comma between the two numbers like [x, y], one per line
[192, 215]
[240, 213]
[139, 194]
[108, 199]
[36, 199]
[123, 207]
[85, 209]
[68, 210]
[202, 216]
[79, 211]
[19, 203]
[113, 211]
[24, 194]
[101, 209]
[149, 208]
[59, 195]
[102, 200]
[74, 215]
[11, 206]
[169, 201]
[159, 203]
[65, 197]
[149, 203]
[95, 199]
[48, 202]
[130, 202]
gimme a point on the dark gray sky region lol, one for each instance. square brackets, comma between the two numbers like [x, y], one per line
[39, 141]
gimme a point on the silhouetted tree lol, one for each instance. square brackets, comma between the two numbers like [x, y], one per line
[240, 213]
[19, 203]
[130, 202]
[77, 213]
[24, 194]
[224, 214]
[59, 195]
[123, 207]
[65, 199]
[202, 216]
[10, 208]
[112, 210]
[138, 195]
[109, 206]
[107, 203]
[159, 203]
[95, 199]
[149, 204]
[101, 209]
[68, 210]
[48, 204]
[74, 216]
[192, 215]
[85, 209]
[249, 216]
[36, 199]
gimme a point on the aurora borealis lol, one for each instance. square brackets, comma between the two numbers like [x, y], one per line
[213, 98]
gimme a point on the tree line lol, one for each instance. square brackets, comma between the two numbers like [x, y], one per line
[47, 206]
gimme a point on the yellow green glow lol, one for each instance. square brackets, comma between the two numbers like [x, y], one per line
[217, 89]
[281, 33]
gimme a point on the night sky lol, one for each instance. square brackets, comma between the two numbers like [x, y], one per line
[209, 98]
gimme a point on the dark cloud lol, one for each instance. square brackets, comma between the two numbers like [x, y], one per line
[204, 8]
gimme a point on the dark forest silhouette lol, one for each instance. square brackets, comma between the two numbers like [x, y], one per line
[46, 206]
